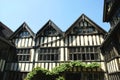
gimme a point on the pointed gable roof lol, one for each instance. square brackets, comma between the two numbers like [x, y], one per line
[23, 26]
[5, 32]
[83, 18]
[52, 24]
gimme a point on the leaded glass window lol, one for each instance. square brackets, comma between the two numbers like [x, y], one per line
[49, 54]
[23, 54]
[24, 33]
[84, 53]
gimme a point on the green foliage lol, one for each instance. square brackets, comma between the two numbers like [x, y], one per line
[37, 73]
[40, 73]
[77, 64]
[62, 68]
[93, 65]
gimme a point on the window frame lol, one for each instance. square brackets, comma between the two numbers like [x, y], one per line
[84, 28]
[48, 54]
[84, 53]
[24, 55]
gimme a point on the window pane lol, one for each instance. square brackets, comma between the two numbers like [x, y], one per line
[52, 57]
[75, 56]
[85, 23]
[96, 56]
[88, 57]
[82, 50]
[81, 23]
[23, 55]
[56, 56]
[91, 49]
[23, 58]
[83, 56]
[87, 49]
[40, 57]
[79, 57]
[92, 57]
[49, 57]
[70, 56]
[90, 29]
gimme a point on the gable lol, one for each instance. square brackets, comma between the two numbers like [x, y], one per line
[23, 31]
[49, 29]
[83, 25]
[84, 28]
[5, 32]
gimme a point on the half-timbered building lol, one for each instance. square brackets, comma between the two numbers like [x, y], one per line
[6, 48]
[24, 41]
[83, 41]
[51, 47]
[111, 46]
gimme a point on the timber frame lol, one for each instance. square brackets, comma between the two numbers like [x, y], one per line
[50, 47]
[111, 46]
[84, 41]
